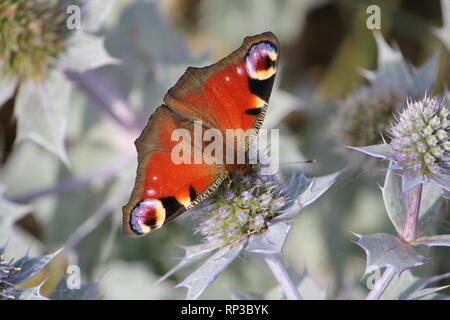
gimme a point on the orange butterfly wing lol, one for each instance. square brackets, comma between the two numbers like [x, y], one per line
[230, 94]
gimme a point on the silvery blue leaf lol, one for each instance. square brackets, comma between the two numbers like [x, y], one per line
[309, 287]
[306, 284]
[316, 188]
[270, 242]
[87, 291]
[29, 266]
[41, 110]
[424, 77]
[426, 292]
[382, 151]
[385, 250]
[84, 52]
[392, 68]
[408, 285]
[394, 200]
[30, 294]
[409, 181]
[442, 180]
[429, 206]
[193, 254]
[198, 281]
[433, 241]
[305, 192]
[239, 295]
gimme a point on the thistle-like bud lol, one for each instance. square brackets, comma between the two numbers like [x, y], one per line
[365, 114]
[420, 138]
[32, 34]
[242, 209]
[6, 271]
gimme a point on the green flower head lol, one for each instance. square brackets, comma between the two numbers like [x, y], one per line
[420, 138]
[32, 34]
[243, 207]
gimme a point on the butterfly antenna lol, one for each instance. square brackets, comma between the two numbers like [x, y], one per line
[297, 162]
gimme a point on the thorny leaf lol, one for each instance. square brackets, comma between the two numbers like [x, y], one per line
[239, 295]
[85, 52]
[29, 266]
[270, 242]
[198, 281]
[30, 293]
[385, 250]
[304, 191]
[87, 291]
[438, 240]
[41, 109]
[378, 150]
[408, 286]
[394, 201]
[193, 254]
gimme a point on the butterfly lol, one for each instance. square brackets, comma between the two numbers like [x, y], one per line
[232, 93]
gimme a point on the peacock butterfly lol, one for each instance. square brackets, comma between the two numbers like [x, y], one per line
[232, 93]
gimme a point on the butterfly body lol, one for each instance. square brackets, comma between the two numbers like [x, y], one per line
[228, 96]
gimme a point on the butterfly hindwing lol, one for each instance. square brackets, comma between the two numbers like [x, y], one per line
[165, 189]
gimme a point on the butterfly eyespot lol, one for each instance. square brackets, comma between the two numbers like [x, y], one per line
[147, 215]
[260, 62]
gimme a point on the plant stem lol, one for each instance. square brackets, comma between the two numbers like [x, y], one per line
[413, 199]
[381, 284]
[75, 183]
[281, 274]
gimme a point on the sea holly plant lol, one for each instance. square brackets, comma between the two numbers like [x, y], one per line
[418, 177]
[370, 108]
[249, 215]
[37, 49]
[14, 273]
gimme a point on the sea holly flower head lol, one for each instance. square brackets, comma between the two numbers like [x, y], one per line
[420, 139]
[244, 208]
[420, 146]
[32, 34]
[38, 49]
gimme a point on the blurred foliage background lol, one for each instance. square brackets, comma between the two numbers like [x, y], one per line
[324, 45]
